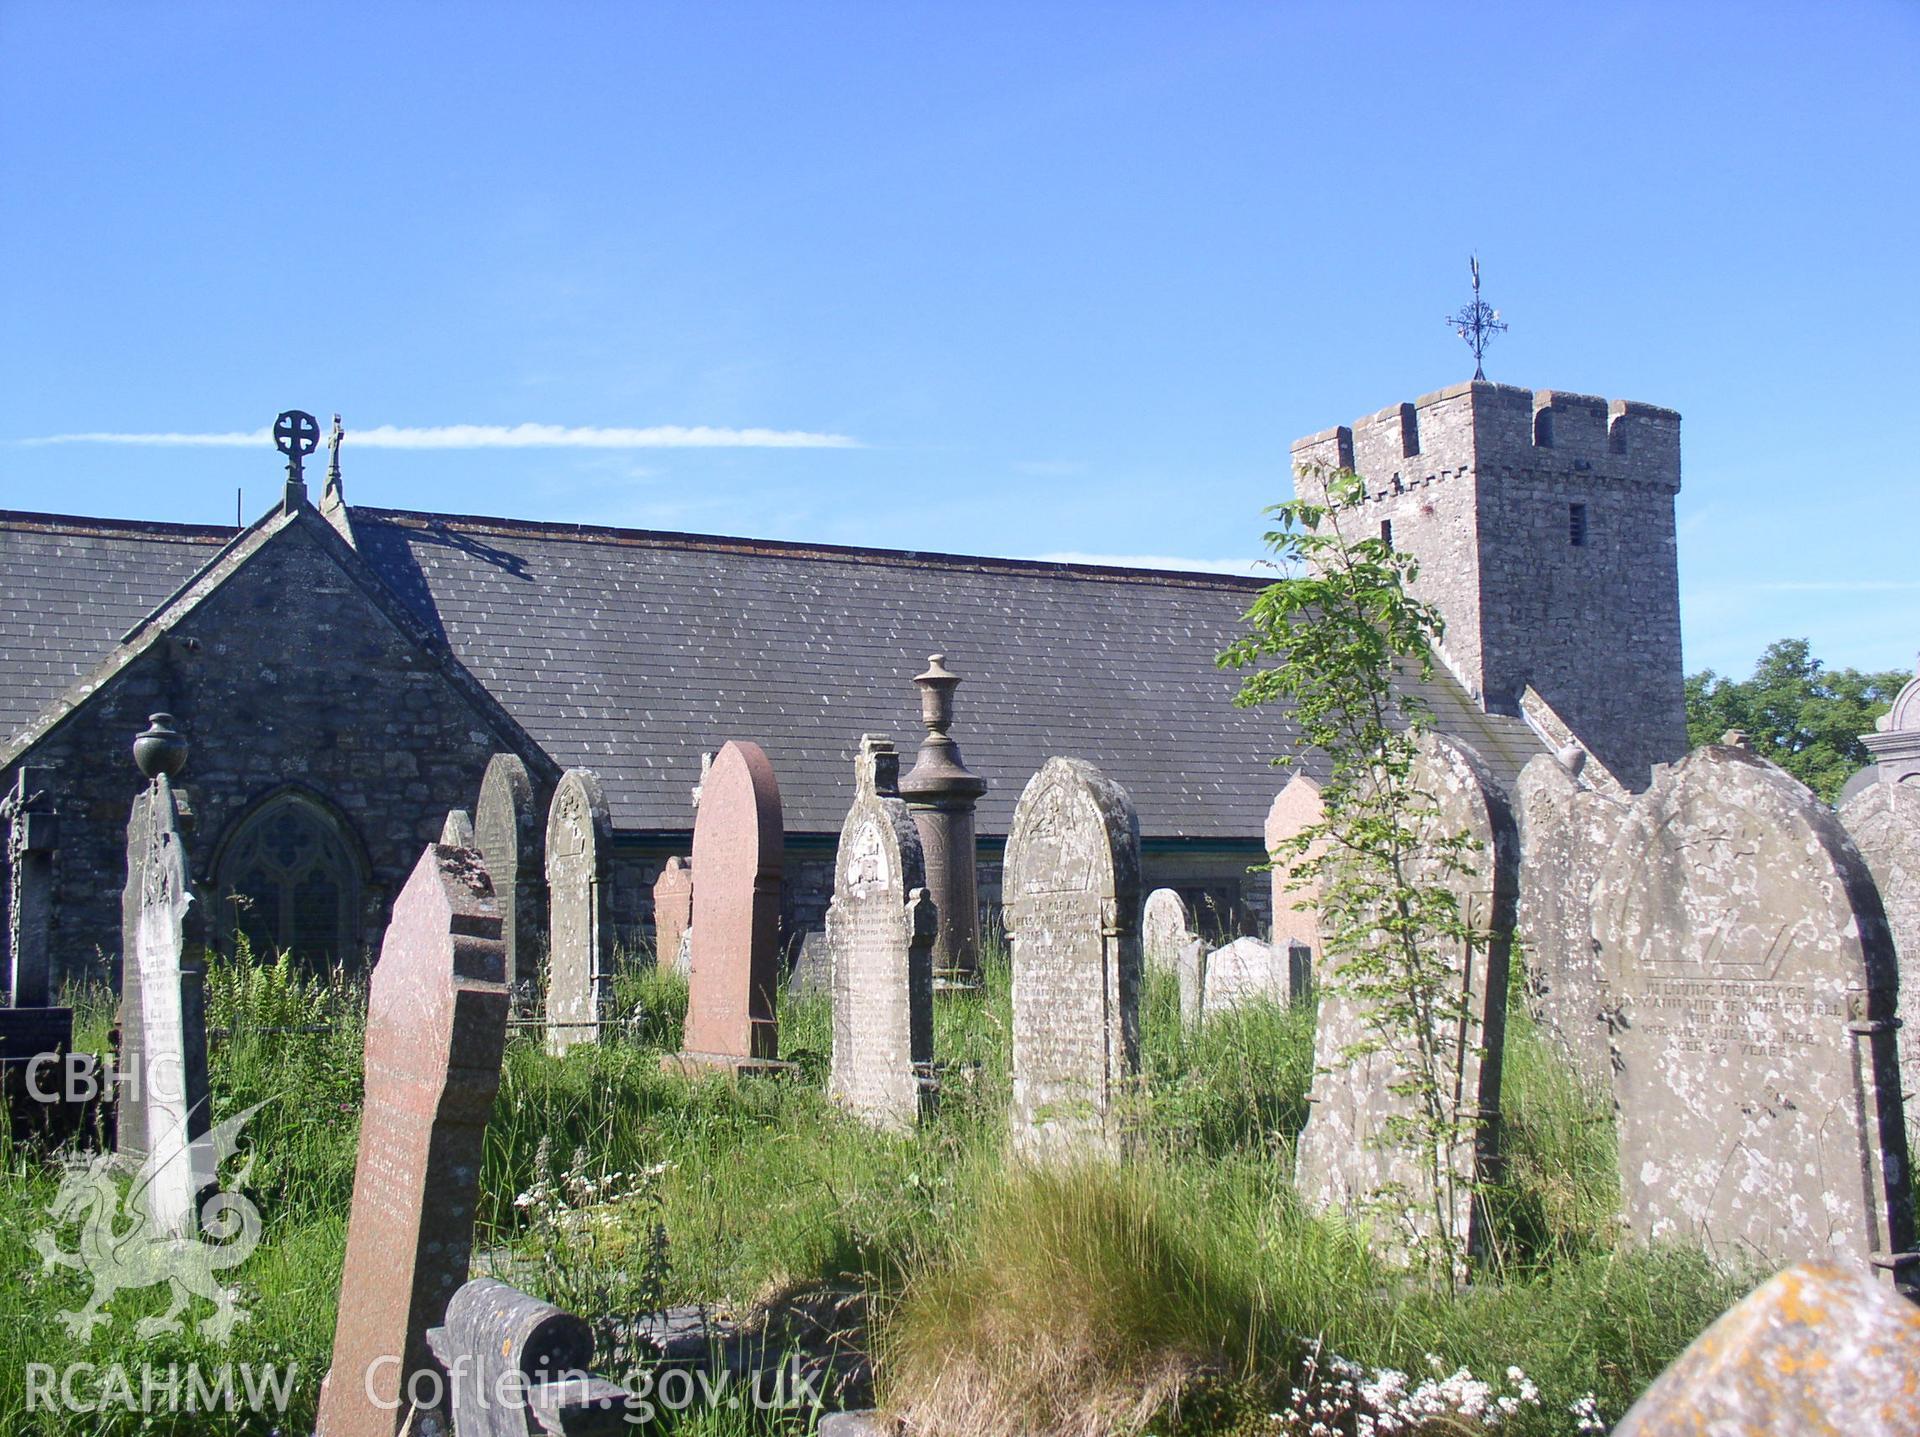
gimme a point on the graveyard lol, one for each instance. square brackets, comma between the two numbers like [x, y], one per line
[983, 721]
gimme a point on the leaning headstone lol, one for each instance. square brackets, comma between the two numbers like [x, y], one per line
[436, 1030]
[1296, 898]
[579, 930]
[510, 834]
[161, 1075]
[1753, 983]
[738, 850]
[1820, 1350]
[1566, 828]
[1244, 971]
[1349, 1156]
[880, 930]
[32, 833]
[1883, 820]
[1071, 893]
[673, 915]
[1165, 929]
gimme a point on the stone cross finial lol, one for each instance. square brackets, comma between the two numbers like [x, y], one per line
[333, 459]
[296, 434]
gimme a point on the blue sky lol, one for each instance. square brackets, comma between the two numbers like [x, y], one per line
[1029, 279]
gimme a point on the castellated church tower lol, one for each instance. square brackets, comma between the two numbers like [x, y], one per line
[1544, 529]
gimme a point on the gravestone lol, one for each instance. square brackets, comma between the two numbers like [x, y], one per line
[1244, 971]
[1816, 1351]
[738, 845]
[1190, 966]
[941, 793]
[1895, 741]
[1165, 929]
[1348, 1159]
[1071, 895]
[673, 915]
[33, 831]
[1566, 828]
[508, 831]
[456, 831]
[1883, 820]
[516, 1365]
[880, 930]
[1753, 982]
[579, 929]
[162, 1109]
[436, 1030]
[1296, 899]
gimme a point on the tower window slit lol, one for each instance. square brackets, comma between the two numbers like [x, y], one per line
[1577, 525]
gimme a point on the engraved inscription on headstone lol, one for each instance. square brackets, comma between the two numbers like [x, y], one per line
[1071, 891]
[1348, 1157]
[510, 833]
[579, 932]
[880, 930]
[436, 1029]
[1566, 828]
[1753, 978]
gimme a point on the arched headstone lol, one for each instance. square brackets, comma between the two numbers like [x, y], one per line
[1165, 928]
[1296, 919]
[673, 915]
[579, 932]
[1071, 894]
[1753, 979]
[1565, 831]
[510, 835]
[1348, 1156]
[1244, 971]
[738, 850]
[880, 930]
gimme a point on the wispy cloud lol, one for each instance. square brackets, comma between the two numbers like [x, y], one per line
[496, 436]
[1161, 561]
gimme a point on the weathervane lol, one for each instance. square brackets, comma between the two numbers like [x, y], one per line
[1477, 323]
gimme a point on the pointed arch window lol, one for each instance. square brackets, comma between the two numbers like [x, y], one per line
[291, 880]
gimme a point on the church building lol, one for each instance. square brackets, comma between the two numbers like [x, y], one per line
[343, 674]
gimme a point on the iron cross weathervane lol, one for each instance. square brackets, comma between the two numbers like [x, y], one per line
[1477, 323]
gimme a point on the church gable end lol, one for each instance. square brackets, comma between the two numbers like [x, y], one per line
[289, 676]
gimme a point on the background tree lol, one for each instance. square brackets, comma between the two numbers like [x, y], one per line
[1805, 717]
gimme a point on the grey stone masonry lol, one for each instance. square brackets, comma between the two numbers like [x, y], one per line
[1544, 527]
[1565, 831]
[1895, 742]
[1753, 983]
[32, 834]
[880, 929]
[580, 933]
[1071, 897]
[1350, 1157]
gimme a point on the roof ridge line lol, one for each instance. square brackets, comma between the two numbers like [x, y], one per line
[84, 523]
[802, 549]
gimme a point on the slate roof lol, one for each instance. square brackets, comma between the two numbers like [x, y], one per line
[70, 587]
[632, 651]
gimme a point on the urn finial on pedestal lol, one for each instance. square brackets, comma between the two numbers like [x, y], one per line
[160, 749]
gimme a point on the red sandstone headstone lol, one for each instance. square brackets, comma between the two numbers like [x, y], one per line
[436, 1029]
[672, 914]
[737, 843]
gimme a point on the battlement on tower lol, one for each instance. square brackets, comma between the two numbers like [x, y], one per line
[1483, 426]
